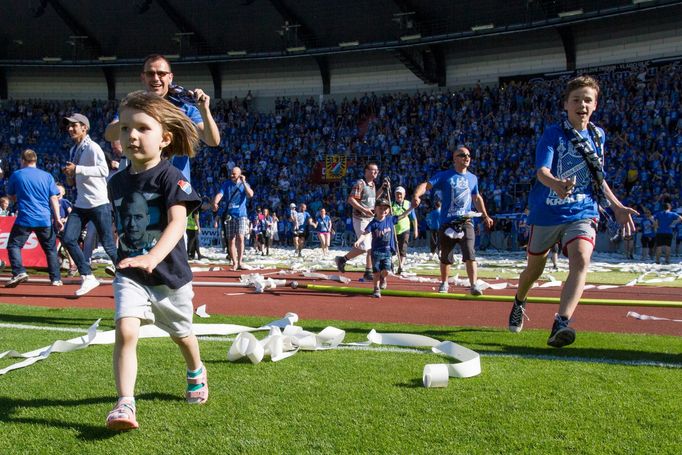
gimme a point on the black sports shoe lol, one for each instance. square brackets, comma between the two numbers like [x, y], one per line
[518, 312]
[368, 276]
[562, 335]
[340, 263]
[16, 280]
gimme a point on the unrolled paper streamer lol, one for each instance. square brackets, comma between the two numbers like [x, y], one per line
[43, 353]
[646, 317]
[322, 276]
[470, 361]
[283, 340]
[147, 331]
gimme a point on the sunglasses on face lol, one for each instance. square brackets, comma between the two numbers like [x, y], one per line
[463, 155]
[161, 74]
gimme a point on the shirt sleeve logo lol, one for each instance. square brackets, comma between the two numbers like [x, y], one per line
[185, 186]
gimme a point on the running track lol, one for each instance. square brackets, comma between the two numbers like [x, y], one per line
[315, 305]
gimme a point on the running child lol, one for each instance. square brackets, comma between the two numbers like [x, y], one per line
[323, 224]
[382, 231]
[153, 283]
[564, 205]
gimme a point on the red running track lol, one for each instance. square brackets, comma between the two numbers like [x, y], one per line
[315, 305]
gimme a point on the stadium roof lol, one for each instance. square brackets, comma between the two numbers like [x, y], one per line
[120, 32]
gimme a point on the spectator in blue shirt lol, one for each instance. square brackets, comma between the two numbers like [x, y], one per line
[37, 199]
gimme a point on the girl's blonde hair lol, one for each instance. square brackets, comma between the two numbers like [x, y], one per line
[172, 119]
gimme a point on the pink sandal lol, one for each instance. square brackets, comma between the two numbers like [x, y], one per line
[200, 395]
[122, 417]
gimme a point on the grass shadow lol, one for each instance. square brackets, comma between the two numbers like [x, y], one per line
[86, 432]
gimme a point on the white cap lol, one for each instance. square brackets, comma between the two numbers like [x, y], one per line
[400, 189]
[292, 205]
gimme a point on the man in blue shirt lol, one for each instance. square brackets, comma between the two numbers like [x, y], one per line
[37, 199]
[564, 205]
[459, 190]
[236, 220]
[664, 221]
[157, 77]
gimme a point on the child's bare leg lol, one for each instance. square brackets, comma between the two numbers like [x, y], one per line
[125, 356]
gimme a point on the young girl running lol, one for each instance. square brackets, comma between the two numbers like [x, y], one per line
[323, 224]
[151, 200]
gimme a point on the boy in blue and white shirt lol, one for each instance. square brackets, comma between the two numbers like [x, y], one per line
[564, 204]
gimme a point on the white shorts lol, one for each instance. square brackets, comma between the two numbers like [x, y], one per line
[169, 309]
[359, 225]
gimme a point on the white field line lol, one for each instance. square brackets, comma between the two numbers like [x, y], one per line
[41, 327]
[602, 360]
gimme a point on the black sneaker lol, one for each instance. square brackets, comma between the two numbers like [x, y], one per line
[518, 312]
[368, 276]
[340, 263]
[16, 280]
[377, 293]
[562, 335]
[400, 271]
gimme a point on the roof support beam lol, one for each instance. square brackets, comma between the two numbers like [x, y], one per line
[4, 92]
[307, 37]
[323, 64]
[214, 69]
[110, 77]
[77, 28]
[201, 43]
[568, 40]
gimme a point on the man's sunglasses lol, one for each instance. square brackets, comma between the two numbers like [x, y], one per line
[156, 73]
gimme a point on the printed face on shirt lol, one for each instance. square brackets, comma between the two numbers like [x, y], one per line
[135, 218]
[77, 131]
[580, 105]
[157, 77]
[142, 138]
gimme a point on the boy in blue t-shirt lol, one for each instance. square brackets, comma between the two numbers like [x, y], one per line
[564, 205]
[382, 230]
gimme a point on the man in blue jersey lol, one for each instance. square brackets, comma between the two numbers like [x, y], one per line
[664, 221]
[157, 77]
[459, 190]
[236, 224]
[37, 198]
[563, 203]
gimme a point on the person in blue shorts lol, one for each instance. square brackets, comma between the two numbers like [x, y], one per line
[664, 221]
[381, 230]
[564, 204]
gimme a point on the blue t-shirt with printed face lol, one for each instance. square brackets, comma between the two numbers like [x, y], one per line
[556, 152]
[665, 221]
[234, 195]
[33, 188]
[455, 191]
[382, 234]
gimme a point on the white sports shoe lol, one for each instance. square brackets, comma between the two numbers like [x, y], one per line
[89, 283]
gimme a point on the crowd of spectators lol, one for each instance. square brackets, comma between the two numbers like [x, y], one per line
[408, 135]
